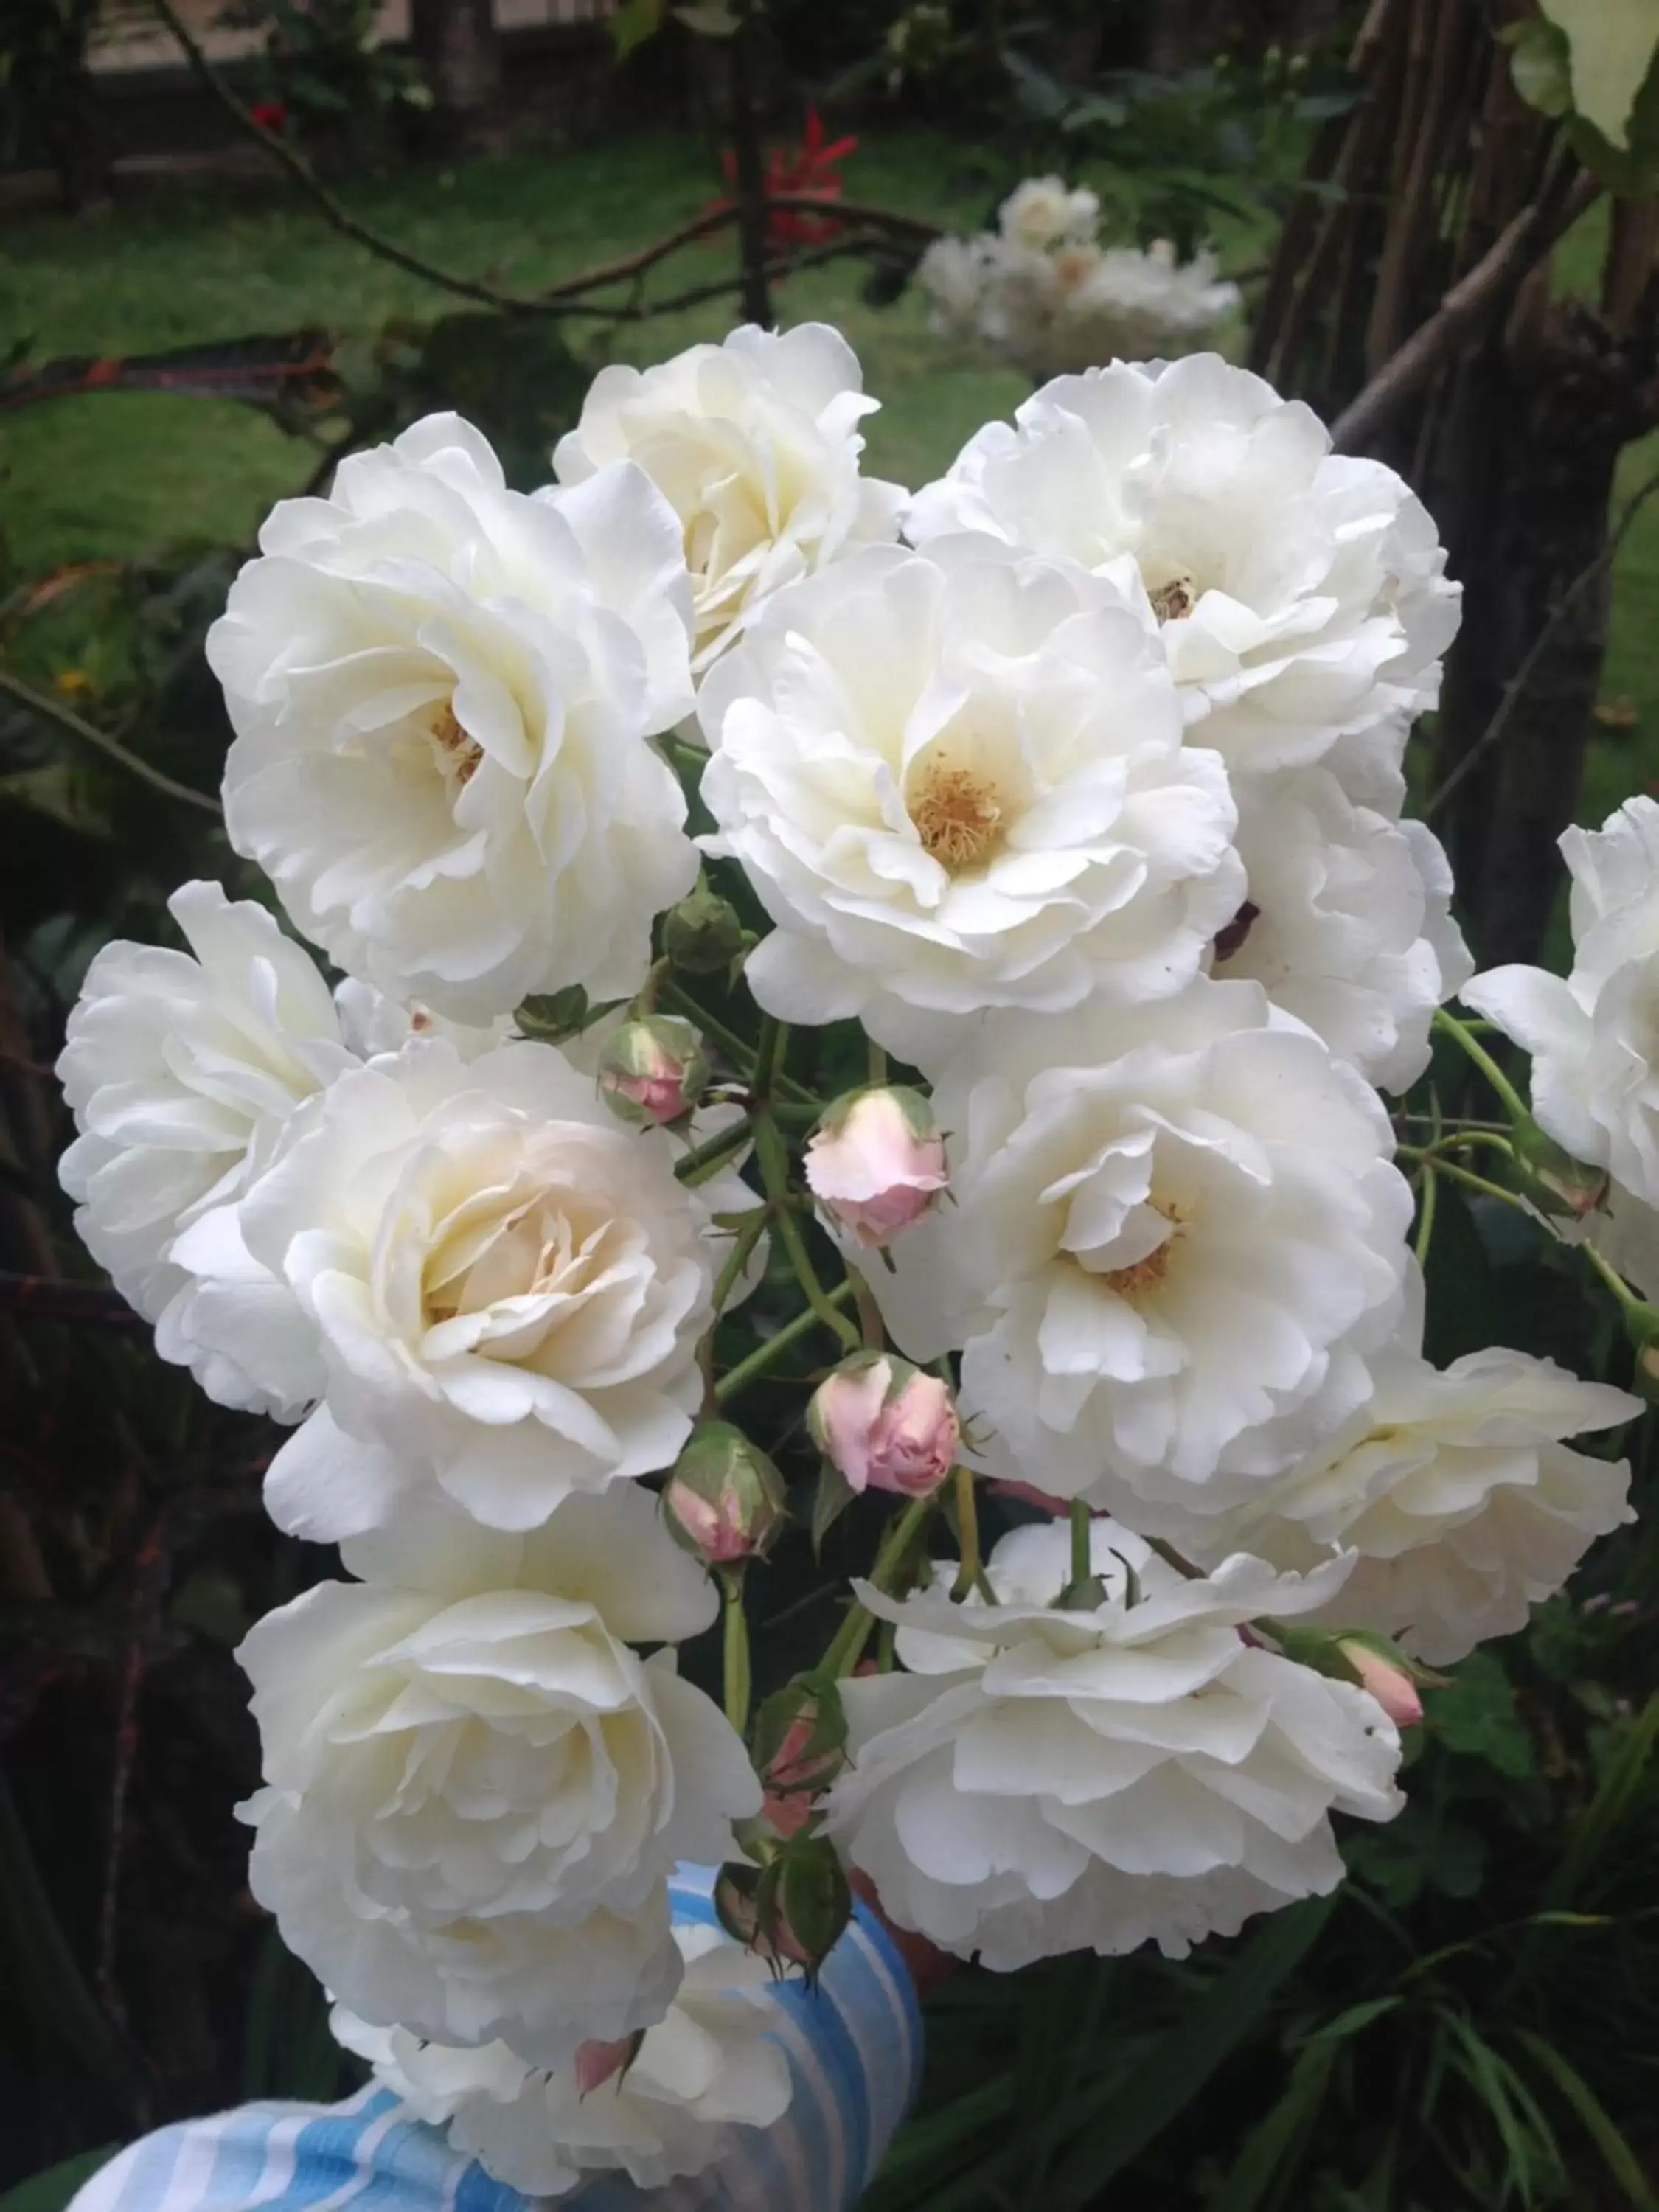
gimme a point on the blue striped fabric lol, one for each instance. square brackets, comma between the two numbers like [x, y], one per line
[855, 2050]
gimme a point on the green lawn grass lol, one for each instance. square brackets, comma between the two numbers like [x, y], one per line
[116, 475]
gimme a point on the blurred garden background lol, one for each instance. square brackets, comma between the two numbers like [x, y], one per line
[224, 261]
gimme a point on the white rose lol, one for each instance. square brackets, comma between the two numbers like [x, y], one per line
[442, 691]
[476, 1791]
[1121, 304]
[1458, 1493]
[756, 444]
[1348, 925]
[180, 1069]
[956, 782]
[506, 1287]
[1594, 1038]
[1040, 1781]
[1302, 594]
[1177, 1235]
[668, 2108]
[1043, 211]
[953, 273]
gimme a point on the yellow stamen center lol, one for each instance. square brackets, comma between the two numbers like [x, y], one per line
[459, 753]
[1174, 601]
[1143, 1275]
[957, 818]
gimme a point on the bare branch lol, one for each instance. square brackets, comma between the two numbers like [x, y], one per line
[1469, 303]
[53, 710]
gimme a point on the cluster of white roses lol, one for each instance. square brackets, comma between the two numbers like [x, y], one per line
[1084, 795]
[1042, 293]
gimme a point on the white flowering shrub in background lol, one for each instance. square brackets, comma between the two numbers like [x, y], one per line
[1084, 802]
[1042, 293]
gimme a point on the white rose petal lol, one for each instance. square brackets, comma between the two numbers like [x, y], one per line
[442, 690]
[476, 1792]
[1302, 594]
[182, 1069]
[1594, 1038]
[1043, 1781]
[958, 783]
[707, 2070]
[1348, 925]
[1458, 1493]
[507, 1289]
[756, 444]
[1178, 1235]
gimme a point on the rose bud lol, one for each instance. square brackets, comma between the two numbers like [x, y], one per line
[653, 1071]
[885, 1425]
[703, 933]
[791, 1910]
[724, 1500]
[1391, 1686]
[799, 1745]
[875, 1163]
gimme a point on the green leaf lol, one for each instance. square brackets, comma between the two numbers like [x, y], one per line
[1602, 1818]
[714, 21]
[1542, 67]
[51, 2191]
[634, 22]
[1475, 1715]
[1617, 2155]
[1174, 2072]
[1275, 2148]
[1611, 45]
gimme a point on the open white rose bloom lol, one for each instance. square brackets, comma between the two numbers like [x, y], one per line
[754, 444]
[1040, 1780]
[1086, 803]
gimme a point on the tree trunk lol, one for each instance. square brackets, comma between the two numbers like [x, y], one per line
[1533, 437]
[456, 43]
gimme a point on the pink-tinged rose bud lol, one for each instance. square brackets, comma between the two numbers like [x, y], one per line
[596, 2064]
[1391, 1686]
[876, 1163]
[724, 1500]
[885, 1425]
[653, 1072]
[809, 1756]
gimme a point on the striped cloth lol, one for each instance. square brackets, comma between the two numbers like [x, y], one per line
[855, 2050]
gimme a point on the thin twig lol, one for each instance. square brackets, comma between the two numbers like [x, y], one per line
[1515, 689]
[1470, 302]
[53, 710]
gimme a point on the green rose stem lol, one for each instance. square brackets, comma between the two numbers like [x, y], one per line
[705, 1159]
[736, 1049]
[1446, 1025]
[1082, 1564]
[765, 1356]
[736, 1667]
[967, 1534]
[1443, 1166]
[772, 1155]
[748, 1236]
[847, 1648]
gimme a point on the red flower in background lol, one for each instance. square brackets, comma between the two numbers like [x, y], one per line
[270, 115]
[813, 167]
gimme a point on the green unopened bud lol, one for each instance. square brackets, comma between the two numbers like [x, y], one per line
[724, 1500]
[1559, 1186]
[703, 933]
[653, 1071]
[791, 1910]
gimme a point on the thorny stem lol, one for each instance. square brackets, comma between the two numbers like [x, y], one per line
[704, 1159]
[739, 1378]
[1430, 1190]
[736, 1049]
[1628, 1301]
[1441, 1166]
[737, 1258]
